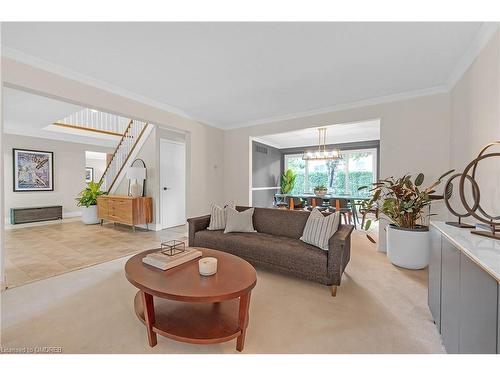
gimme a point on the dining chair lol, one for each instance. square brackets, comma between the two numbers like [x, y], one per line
[345, 207]
[280, 202]
[317, 202]
[294, 203]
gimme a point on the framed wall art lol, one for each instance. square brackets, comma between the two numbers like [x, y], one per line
[33, 170]
[89, 174]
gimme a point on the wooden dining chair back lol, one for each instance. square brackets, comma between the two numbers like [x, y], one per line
[294, 203]
[343, 206]
[318, 202]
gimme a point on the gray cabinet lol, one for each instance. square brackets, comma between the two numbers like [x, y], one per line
[478, 309]
[450, 296]
[464, 298]
[434, 297]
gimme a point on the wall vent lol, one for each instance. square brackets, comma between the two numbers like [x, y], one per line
[261, 149]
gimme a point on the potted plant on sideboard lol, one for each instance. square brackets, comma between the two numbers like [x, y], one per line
[87, 200]
[402, 201]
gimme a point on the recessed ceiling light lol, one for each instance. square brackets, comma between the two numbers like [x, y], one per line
[94, 110]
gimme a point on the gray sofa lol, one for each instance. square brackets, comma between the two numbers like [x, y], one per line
[276, 245]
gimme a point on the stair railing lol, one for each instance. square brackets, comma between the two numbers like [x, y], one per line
[121, 155]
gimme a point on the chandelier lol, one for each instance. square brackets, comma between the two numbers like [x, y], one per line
[322, 153]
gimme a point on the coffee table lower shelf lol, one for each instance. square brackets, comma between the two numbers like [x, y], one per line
[195, 323]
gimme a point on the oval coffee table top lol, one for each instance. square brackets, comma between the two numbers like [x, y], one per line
[234, 278]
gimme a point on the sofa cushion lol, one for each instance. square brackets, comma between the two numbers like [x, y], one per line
[288, 253]
[287, 223]
[239, 221]
[319, 229]
[218, 216]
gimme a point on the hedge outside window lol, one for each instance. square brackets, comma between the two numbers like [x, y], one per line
[344, 176]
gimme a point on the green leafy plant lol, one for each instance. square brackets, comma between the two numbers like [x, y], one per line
[287, 181]
[88, 196]
[401, 200]
[320, 187]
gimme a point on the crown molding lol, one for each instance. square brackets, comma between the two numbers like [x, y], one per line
[82, 78]
[341, 107]
[264, 142]
[483, 36]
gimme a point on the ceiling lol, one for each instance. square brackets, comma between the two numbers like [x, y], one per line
[236, 74]
[32, 115]
[339, 133]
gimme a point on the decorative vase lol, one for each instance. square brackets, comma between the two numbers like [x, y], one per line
[408, 248]
[89, 215]
[135, 188]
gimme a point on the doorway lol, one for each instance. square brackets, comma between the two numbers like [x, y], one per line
[172, 183]
[95, 165]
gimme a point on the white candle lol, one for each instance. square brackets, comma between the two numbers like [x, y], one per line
[207, 266]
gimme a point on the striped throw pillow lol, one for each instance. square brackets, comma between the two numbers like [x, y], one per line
[319, 229]
[218, 216]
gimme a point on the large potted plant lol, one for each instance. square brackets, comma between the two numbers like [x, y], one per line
[288, 181]
[87, 200]
[403, 202]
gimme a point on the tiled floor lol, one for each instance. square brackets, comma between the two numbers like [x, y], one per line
[38, 252]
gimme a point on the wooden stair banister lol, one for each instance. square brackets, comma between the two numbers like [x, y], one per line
[116, 150]
[128, 156]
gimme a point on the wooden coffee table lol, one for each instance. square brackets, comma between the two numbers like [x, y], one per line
[192, 308]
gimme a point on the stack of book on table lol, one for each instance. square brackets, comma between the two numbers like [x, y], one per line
[165, 262]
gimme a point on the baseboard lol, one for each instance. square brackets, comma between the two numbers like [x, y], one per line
[66, 219]
[154, 227]
[69, 214]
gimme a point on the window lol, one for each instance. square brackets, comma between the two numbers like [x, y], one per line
[344, 176]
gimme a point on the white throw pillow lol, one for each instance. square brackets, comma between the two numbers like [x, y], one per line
[239, 221]
[218, 216]
[319, 229]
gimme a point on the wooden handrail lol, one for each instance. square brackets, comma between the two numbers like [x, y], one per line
[128, 156]
[116, 150]
[78, 127]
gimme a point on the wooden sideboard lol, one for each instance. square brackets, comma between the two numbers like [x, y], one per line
[125, 210]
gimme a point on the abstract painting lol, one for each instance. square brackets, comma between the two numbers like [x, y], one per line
[33, 170]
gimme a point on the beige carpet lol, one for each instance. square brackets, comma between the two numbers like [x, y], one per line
[379, 309]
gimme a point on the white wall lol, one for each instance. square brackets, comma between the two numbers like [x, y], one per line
[413, 138]
[475, 122]
[150, 153]
[99, 166]
[69, 173]
[2, 224]
[206, 144]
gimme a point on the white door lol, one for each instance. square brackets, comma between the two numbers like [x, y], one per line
[172, 183]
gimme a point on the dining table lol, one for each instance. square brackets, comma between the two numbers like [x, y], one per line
[319, 200]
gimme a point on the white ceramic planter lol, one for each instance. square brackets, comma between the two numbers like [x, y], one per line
[89, 214]
[408, 248]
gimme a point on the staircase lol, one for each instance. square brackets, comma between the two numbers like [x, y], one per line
[95, 121]
[126, 147]
[130, 133]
